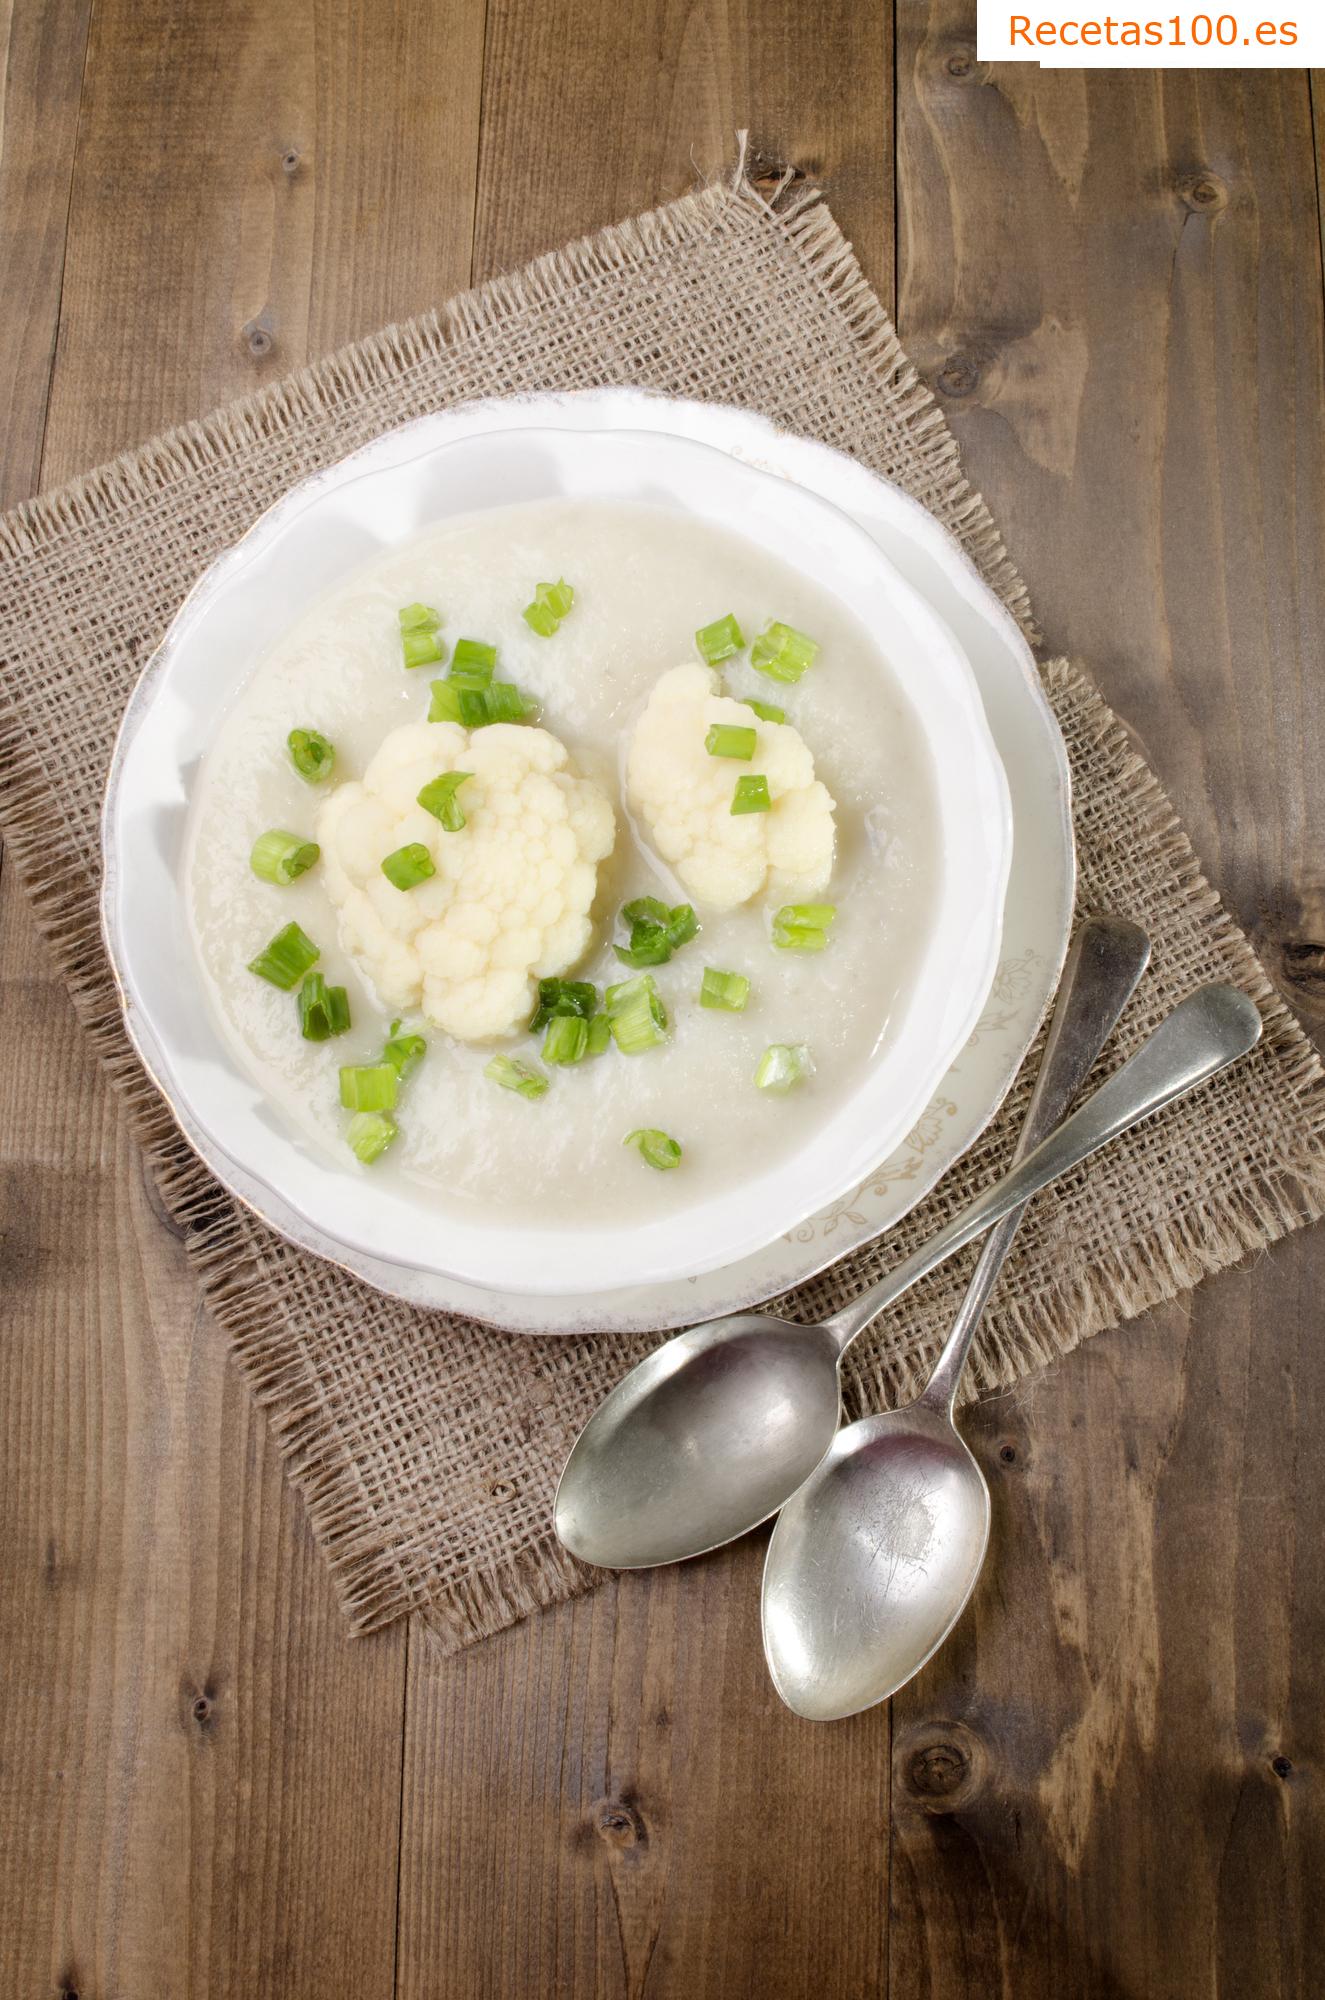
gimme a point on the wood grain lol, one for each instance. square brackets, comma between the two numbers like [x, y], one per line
[42, 78]
[648, 95]
[1108, 1785]
[202, 1770]
[1103, 1784]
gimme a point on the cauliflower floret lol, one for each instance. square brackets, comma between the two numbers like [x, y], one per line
[509, 903]
[684, 797]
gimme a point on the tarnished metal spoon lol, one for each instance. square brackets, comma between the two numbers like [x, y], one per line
[872, 1560]
[714, 1431]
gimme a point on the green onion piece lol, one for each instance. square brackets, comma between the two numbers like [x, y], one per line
[766, 711]
[475, 707]
[407, 866]
[655, 931]
[751, 796]
[505, 703]
[369, 1134]
[286, 959]
[563, 996]
[541, 618]
[282, 857]
[655, 1147]
[439, 798]
[517, 1076]
[727, 739]
[600, 1035]
[782, 1065]
[550, 604]
[421, 649]
[369, 1087]
[403, 1052]
[728, 990]
[311, 755]
[783, 653]
[472, 663]
[803, 926]
[324, 1010]
[566, 1040]
[418, 618]
[637, 1015]
[719, 640]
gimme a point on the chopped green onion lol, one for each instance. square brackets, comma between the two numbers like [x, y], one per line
[403, 1052]
[637, 1015]
[563, 996]
[655, 1147]
[418, 635]
[803, 926]
[782, 1065]
[369, 1134]
[282, 857]
[439, 798]
[765, 710]
[324, 1010]
[728, 990]
[311, 755]
[550, 604]
[783, 653]
[517, 1076]
[719, 640]
[476, 707]
[655, 931]
[600, 1035]
[369, 1086]
[726, 739]
[421, 649]
[566, 1040]
[751, 796]
[407, 866]
[286, 959]
[472, 663]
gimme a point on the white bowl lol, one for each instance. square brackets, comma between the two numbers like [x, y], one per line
[251, 595]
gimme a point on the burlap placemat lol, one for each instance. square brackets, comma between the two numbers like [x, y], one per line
[427, 1448]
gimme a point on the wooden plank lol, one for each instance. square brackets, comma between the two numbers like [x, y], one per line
[647, 97]
[200, 1774]
[41, 74]
[608, 1799]
[611, 1800]
[1113, 282]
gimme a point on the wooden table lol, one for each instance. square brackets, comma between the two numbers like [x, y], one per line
[1109, 1784]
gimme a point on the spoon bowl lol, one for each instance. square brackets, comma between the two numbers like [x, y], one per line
[872, 1561]
[701, 1442]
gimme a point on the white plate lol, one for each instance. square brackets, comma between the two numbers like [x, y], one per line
[1037, 917]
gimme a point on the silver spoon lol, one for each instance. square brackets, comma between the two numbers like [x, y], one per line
[711, 1433]
[872, 1560]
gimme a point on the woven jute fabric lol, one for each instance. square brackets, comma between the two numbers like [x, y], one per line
[426, 1447]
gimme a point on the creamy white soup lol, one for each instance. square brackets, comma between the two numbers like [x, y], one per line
[625, 802]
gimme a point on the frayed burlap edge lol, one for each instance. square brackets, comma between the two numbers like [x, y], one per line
[226, 1246]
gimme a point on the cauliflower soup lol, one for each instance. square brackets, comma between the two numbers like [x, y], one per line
[573, 896]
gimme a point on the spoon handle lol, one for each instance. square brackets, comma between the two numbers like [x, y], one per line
[1204, 1034]
[1107, 959]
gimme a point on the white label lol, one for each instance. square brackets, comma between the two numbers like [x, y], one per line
[1255, 34]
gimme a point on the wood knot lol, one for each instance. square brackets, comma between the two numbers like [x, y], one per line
[1203, 193]
[198, 1706]
[961, 63]
[959, 376]
[1291, 935]
[620, 1824]
[769, 174]
[939, 1767]
[290, 160]
[1282, 1766]
[1008, 1454]
[258, 338]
